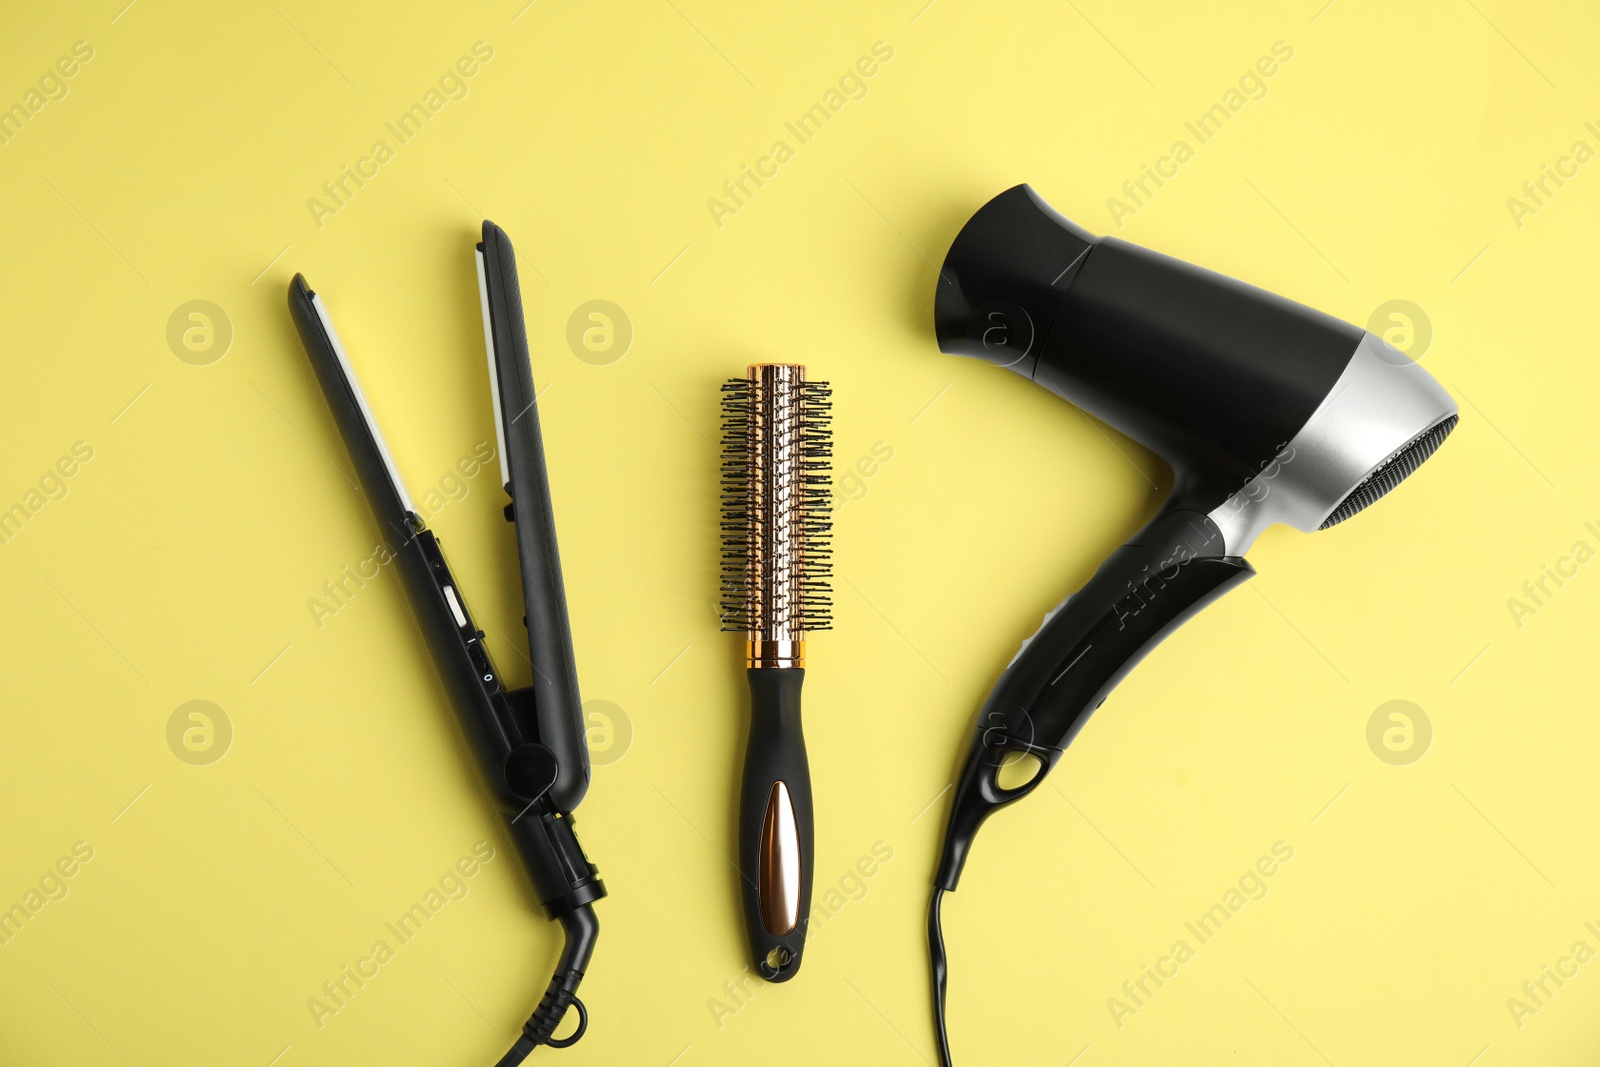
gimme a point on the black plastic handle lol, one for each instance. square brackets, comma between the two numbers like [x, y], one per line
[775, 825]
[1169, 570]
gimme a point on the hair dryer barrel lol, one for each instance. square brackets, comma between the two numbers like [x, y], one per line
[1214, 375]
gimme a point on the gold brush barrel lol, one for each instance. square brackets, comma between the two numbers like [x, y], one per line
[775, 525]
[777, 493]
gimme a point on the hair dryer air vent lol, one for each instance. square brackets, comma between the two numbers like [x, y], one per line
[1396, 470]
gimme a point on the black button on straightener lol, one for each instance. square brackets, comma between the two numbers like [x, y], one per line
[530, 741]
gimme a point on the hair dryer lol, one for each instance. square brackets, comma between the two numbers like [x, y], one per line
[1267, 411]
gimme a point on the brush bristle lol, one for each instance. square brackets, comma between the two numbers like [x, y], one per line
[777, 451]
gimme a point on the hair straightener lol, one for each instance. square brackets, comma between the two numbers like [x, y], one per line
[1268, 412]
[529, 742]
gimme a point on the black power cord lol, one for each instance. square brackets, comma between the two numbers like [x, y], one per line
[941, 975]
[582, 929]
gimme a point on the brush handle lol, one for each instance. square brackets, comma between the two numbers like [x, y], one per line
[775, 826]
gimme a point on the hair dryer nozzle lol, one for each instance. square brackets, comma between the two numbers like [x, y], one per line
[1002, 280]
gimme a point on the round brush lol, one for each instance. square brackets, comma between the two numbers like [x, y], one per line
[776, 448]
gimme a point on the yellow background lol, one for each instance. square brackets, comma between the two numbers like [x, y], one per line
[179, 564]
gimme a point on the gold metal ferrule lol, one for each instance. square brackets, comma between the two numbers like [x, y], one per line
[761, 653]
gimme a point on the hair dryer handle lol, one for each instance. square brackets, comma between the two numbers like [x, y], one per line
[1170, 570]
